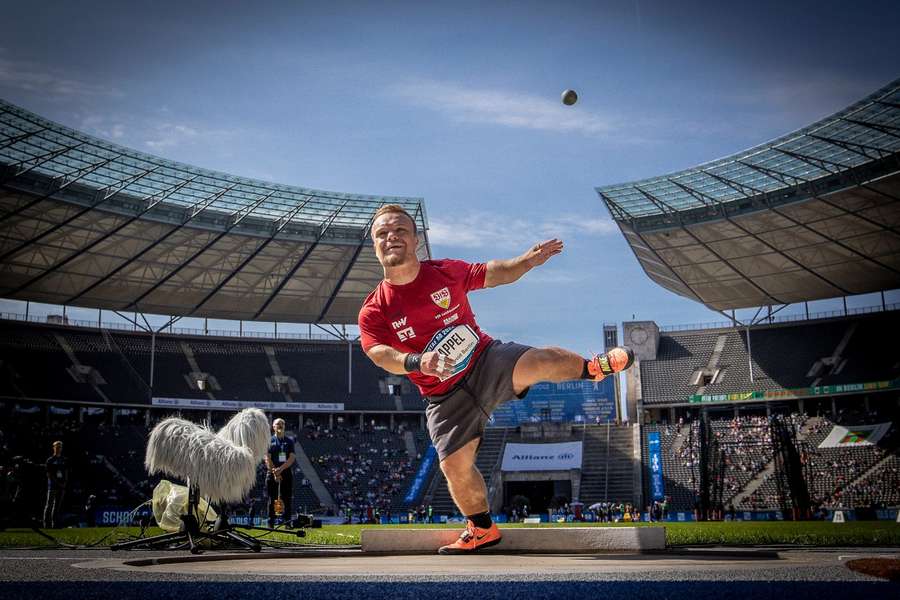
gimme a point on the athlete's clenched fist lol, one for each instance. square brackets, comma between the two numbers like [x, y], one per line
[436, 364]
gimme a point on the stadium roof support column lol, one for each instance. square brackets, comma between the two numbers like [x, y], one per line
[755, 320]
[749, 355]
[333, 331]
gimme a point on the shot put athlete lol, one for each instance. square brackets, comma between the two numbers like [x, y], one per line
[418, 323]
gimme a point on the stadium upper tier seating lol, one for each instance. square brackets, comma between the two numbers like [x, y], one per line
[784, 356]
[49, 362]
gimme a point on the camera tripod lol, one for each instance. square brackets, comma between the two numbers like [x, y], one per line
[191, 533]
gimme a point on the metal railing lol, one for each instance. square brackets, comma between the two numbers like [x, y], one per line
[65, 321]
[240, 333]
[786, 318]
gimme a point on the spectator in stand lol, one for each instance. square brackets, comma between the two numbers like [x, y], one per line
[279, 474]
[57, 477]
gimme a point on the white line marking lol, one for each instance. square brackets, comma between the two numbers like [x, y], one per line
[41, 557]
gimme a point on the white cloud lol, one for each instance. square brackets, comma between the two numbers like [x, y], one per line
[110, 129]
[156, 132]
[819, 91]
[502, 107]
[548, 276]
[478, 229]
[168, 135]
[33, 77]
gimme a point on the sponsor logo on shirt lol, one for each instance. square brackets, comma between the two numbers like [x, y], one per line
[451, 319]
[406, 334]
[441, 297]
[458, 343]
[398, 324]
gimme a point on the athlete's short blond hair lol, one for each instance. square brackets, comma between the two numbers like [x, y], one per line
[394, 208]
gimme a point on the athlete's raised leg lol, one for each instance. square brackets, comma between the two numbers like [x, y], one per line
[559, 364]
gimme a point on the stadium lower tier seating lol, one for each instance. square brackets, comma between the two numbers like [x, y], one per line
[843, 474]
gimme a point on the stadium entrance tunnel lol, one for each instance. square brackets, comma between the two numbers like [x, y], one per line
[538, 495]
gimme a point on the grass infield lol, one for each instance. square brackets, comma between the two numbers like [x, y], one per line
[868, 533]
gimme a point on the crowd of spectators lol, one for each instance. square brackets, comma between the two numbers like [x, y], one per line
[746, 445]
[834, 475]
[879, 489]
[837, 477]
[367, 472]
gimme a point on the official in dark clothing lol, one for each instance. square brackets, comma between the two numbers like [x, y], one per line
[279, 471]
[57, 476]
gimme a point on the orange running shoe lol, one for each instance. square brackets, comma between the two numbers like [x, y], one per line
[617, 359]
[472, 539]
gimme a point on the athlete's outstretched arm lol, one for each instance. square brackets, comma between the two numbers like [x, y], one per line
[500, 272]
[392, 361]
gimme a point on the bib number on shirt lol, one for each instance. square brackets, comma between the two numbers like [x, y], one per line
[457, 343]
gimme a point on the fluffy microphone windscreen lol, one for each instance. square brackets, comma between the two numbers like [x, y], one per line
[250, 429]
[220, 470]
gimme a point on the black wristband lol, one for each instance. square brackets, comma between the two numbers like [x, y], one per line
[412, 362]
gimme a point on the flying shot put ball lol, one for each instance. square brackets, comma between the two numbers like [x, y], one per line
[569, 97]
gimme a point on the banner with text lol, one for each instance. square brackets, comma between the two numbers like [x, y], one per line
[656, 475]
[200, 404]
[854, 436]
[579, 401]
[542, 457]
[794, 393]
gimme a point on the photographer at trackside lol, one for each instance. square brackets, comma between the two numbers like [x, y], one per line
[57, 477]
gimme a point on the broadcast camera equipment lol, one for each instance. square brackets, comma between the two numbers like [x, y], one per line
[306, 522]
[219, 466]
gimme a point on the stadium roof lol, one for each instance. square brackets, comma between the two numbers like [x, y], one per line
[85, 222]
[813, 214]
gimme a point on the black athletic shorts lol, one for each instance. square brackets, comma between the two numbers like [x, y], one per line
[459, 416]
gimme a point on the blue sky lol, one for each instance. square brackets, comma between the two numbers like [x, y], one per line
[459, 103]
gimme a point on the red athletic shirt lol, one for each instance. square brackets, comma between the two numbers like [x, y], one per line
[429, 313]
